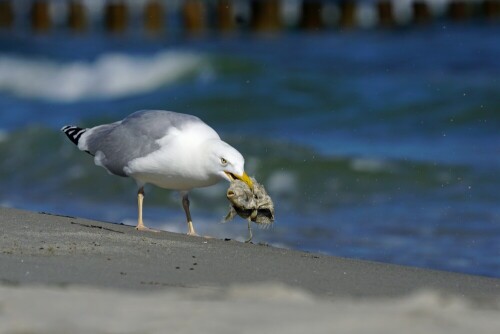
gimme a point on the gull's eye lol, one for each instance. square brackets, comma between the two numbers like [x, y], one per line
[223, 162]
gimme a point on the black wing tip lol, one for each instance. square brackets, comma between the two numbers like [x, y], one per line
[73, 132]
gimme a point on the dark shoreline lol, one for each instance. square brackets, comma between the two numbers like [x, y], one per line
[47, 249]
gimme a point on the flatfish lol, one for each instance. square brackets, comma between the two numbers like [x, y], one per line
[254, 205]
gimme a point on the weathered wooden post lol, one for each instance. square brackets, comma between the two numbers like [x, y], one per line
[311, 15]
[385, 14]
[265, 15]
[116, 17]
[77, 19]
[421, 13]
[347, 14]
[194, 13]
[491, 9]
[40, 16]
[458, 11]
[154, 14]
[225, 18]
[6, 15]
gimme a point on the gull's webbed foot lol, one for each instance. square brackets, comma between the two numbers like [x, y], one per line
[145, 229]
[191, 231]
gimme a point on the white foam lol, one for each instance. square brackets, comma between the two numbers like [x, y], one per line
[6, 204]
[109, 76]
[369, 165]
[282, 183]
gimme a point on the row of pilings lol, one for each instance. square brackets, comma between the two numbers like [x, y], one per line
[198, 16]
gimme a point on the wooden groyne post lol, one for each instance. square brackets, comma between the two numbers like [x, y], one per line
[491, 9]
[77, 18]
[194, 15]
[224, 16]
[459, 11]
[116, 17]
[40, 16]
[154, 17]
[421, 13]
[347, 14]
[311, 18]
[385, 14]
[265, 16]
[6, 15]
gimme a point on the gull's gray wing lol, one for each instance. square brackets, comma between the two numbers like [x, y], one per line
[115, 145]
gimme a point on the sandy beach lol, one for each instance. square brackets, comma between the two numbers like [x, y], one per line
[64, 274]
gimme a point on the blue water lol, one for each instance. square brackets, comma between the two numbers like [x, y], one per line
[380, 145]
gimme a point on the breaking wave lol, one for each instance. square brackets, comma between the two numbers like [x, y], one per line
[109, 76]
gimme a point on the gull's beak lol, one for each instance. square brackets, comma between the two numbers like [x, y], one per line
[244, 177]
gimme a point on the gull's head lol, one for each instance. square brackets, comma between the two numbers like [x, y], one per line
[226, 162]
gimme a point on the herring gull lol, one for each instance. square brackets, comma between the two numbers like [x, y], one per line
[167, 149]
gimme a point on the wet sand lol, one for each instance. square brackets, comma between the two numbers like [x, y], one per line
[108, 271]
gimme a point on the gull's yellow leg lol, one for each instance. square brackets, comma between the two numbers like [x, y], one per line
[185, 205]
[140, 224]
[140, 199]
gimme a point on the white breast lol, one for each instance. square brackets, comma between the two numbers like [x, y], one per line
[179, 163]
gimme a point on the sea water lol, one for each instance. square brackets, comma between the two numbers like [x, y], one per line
[379, 145]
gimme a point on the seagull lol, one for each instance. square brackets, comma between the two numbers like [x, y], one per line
[167, 149]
